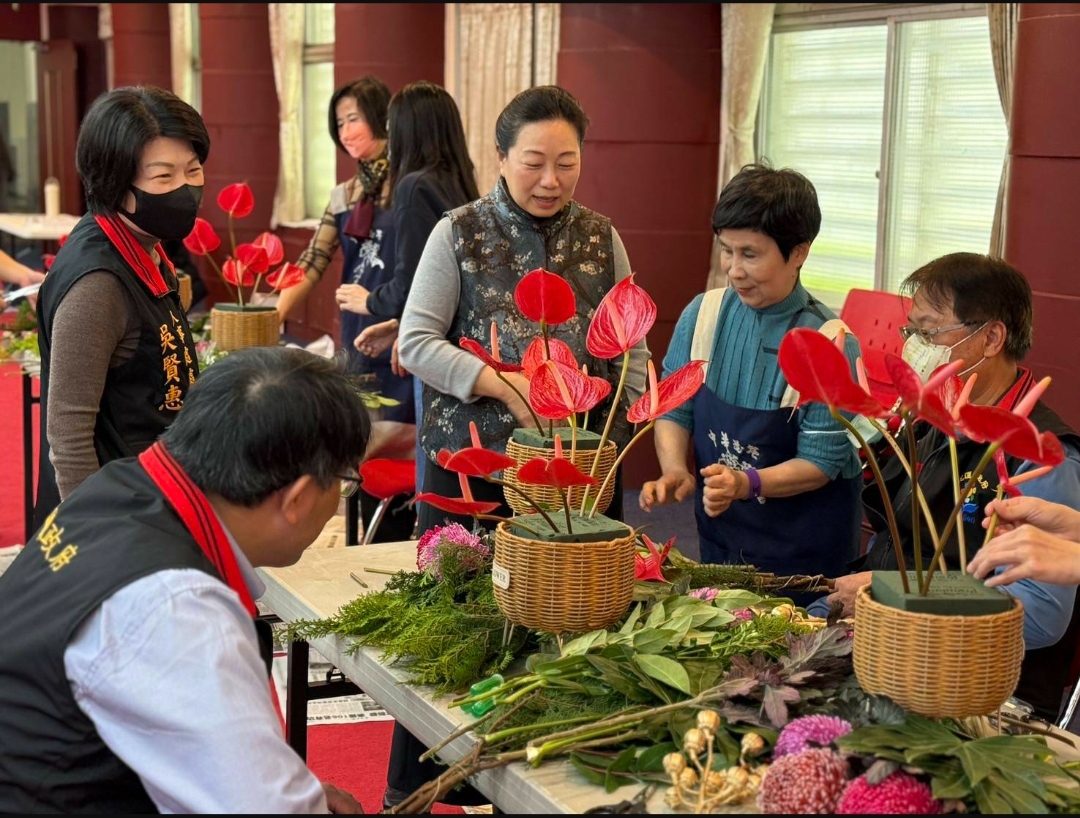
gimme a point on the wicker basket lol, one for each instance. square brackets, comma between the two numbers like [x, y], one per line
[549, 496]
[233, 329]
[183, 286]
[938, 666]
[563, 587]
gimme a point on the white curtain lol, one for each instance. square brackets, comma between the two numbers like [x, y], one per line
[181, 43]
[495, 51]
[287, 54]
[1004, 19]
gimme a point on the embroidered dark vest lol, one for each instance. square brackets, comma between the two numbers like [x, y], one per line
[497, 243]
[141, 396]
[1045, 671]
[51, 756]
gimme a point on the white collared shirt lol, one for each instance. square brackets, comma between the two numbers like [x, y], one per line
[168, 669]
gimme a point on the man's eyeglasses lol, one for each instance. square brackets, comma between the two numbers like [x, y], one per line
[350, 482]
[927, 335]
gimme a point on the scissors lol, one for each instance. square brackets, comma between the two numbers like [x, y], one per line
[636, 805]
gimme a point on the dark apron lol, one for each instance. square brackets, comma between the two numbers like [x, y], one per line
[369, 263]
[811, 533]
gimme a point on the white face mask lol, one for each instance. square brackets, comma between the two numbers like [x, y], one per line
[924, 357]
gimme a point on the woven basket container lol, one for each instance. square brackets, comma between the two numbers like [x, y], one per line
[238, 329]
[938, 666]
[564, 587]
[183, 284]
[549, 496]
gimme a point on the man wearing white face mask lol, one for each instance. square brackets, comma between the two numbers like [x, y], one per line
[973, 308]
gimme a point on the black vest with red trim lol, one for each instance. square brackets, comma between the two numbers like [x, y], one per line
[116, 528]
[1046, 671]
[141, 396]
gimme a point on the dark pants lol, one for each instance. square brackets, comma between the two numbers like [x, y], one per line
[397, 523]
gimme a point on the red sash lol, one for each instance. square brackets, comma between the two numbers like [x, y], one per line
[194, 510]
[136, 257]
[1024, 381]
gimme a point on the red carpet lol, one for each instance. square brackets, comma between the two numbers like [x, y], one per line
[11, 455]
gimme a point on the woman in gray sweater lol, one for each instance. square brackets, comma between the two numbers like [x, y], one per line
[471, 264]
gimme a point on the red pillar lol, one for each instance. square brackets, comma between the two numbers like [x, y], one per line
[141, 48]
[648, 76]
[240, 109]
[1041, 236]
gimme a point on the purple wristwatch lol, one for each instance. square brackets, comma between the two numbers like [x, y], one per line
[755, 483]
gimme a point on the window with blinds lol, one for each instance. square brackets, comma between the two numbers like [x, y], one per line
[320, 154]
[898, 124]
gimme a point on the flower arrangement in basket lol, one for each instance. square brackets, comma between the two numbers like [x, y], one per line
[244, 324]
[560, 564]
[956, 652]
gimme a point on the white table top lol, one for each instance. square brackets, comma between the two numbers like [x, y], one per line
[37, 226]
[319, 584]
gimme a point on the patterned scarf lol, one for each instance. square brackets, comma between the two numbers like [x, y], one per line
[372, 175]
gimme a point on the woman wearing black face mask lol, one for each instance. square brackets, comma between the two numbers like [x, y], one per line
[117, 356]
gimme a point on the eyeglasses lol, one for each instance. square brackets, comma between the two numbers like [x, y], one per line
[927, 335]
[350, 482]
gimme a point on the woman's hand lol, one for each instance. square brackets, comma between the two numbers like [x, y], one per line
[395, 362]
[673, 487]
[1028, 553]
[723, 486]
[845, 589]
[514, 402]
[352, 298]
[1053, 518]
[376, 339]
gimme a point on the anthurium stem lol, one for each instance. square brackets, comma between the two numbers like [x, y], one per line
[219, 271]
[975, 475]
[960, 533]
[528, 499]
[916, 538]
[991, 529]
[607, 430]
[566, 510]
[615, 465]
[536, 420]
[236, 265]
[255, 289]
[886, 501]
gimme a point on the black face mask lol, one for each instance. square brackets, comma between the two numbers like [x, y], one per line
[168, 216]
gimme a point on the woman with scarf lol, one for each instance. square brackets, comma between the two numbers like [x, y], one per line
[117, 356]
[358, 221]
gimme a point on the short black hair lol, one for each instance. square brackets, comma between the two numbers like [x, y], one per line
[425, 133]
[372, 98]
[978, 289]
[263, 417]
[782, 204]
[542, 103]
[116, 129]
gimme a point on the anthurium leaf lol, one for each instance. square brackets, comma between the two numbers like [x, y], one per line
[631, 620]
[736, 599]
[652, 640]
[665, 670]
[584, 643]
[651, 759]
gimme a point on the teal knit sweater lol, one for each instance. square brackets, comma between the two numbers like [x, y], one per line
[743, 370]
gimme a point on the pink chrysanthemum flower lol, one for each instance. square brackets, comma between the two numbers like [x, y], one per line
[899, 794]
[808, 732]
[806, 783]
[455, 534]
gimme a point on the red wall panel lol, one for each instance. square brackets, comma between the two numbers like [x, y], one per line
[141, 48]
[648, 76]
[21, 24]
[1041, 238]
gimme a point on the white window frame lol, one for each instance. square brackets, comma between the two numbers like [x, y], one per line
[816, 16]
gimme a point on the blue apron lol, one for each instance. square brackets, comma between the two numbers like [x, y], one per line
[811, 533]
[369, 263]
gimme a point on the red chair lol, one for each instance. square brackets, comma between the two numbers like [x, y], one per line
[875, 318]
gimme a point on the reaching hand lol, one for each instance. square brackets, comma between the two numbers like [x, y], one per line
[340, 802]
[1034, 539]
[377, 338]
[673, 487]
[846, 588]
[514, 403]
[1053, 518]
[352, 298]
[723, 486]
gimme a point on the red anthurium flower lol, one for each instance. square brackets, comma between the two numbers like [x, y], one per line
[545, 297]
[465, 504]
[275, 252]
[384, 477]
[647, 569]
[924, 400]
[623, 318]
[536, 354]
[253, 257]
[494, 360]
[557, 391]
[47, 259]
[820, 372]
[1016, 435]
[237, 200]
[62, 240]
[285, 276]
[558, 472]
[674, 390]
[237, 273]
[202, 239]
[475, 460]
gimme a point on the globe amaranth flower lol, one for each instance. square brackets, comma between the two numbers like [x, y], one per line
[455, 534]
[809, 732]
[899, 794]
